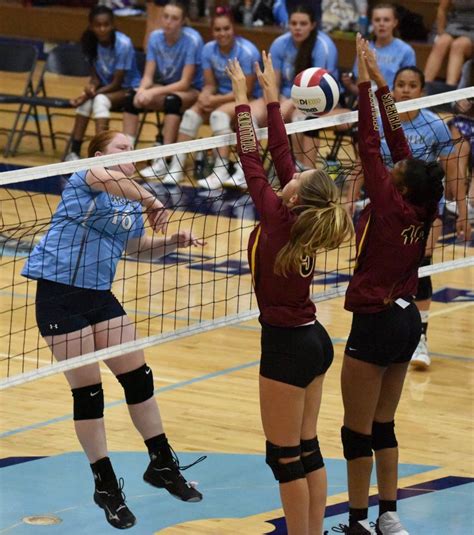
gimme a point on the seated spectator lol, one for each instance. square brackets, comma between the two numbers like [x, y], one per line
[216, 103]
[154, 12]
[392, 53]
[462, 130]
[454, 37]
[171, 81]
[113, 75]
[303, 46]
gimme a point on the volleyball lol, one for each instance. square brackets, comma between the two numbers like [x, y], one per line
[315, 91]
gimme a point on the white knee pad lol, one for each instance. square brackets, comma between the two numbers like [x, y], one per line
[190, 123]
[220, 123]
[101, 107]
[85, 109]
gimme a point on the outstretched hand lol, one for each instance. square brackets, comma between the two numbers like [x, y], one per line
[361, 59]
[368, 66]
[267, 78]
[185, 238]
[239, 81]
[372, 65]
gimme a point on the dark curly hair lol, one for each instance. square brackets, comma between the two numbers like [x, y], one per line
[89, 40]
[424, 182]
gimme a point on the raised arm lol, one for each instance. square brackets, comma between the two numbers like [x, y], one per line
[392, 125]
[378, 183]
[117, 183]
[277, 137]
[266, 201]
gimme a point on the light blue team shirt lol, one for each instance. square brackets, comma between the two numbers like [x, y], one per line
[428, 138]
[87, 237]
[213, 58]
[390, 58]
[284, 51]
[427, 135]
[171, 60]
[120, 57]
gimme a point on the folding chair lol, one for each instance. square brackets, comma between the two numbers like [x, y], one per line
[17, 58]
[65, 61]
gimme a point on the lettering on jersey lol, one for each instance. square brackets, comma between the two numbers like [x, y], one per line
[307, 265]
[247, 135]
[413, 234]
[373, 111]
[115, 200]
[391, 111]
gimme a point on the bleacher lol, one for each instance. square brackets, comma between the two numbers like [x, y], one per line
[60, 24]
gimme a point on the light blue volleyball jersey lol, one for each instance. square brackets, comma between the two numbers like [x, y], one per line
[120, 57]
[390, 58]
[87, 237]
[284, 51]
[171, 60]
[213, 58]
[428, 137]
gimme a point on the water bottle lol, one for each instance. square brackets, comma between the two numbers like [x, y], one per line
[363, 24]
[247, 17]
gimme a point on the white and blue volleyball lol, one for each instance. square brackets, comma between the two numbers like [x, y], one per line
[315, 91]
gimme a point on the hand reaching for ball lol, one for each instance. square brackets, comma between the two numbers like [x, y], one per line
[239, 82]
[267, 78]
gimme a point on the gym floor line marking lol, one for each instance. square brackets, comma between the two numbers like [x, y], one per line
[175, 386]
[453, 308]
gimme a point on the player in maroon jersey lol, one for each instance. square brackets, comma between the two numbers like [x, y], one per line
[386, 326]
[296, 349]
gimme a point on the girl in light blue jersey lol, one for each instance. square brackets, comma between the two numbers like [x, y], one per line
[303, 46]
[114, 73]
[99, 218]
[392, 53]
[172, 79]
[216, 102]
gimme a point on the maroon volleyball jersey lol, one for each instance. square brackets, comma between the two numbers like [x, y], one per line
[390, 233]
[283, 301]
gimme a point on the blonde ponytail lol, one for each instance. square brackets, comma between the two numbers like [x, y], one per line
[322, 223]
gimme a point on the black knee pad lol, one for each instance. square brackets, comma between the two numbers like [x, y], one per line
[425, 286]
[172, 105]
[129, 107]
[88, 402]
[355, 445]
[284, 472]
[383, 435]
[313, 461]
[137, 385]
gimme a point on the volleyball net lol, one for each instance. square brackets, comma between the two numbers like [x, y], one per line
[197, 289]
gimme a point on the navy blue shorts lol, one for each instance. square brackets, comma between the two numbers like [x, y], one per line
[386, 337]
[295, 355]
[62, 309]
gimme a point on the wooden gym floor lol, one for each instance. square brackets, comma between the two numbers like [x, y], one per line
[206, 386]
